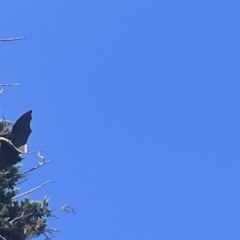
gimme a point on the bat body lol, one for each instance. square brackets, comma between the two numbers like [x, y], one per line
[15, 142]
[9, 154]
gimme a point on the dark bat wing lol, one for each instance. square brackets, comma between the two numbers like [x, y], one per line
[21, 130]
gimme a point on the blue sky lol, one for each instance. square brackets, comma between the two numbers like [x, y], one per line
[136, 104]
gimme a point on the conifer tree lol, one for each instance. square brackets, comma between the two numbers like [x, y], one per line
[20, 220]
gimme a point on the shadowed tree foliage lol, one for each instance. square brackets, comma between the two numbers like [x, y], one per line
[23, 219]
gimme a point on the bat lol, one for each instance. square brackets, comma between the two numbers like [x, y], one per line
[9, 154]
[14, 143]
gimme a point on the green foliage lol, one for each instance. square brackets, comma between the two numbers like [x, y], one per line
[19, 220]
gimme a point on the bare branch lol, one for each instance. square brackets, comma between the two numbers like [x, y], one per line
[33, 189]
[50, 231]
[10, 85]
[35, 167]
[41, 156]
[21, 217]
[67, 208]
[39, 163]
[11, 39]
[2, 237]
[23, 181]
[35, 151]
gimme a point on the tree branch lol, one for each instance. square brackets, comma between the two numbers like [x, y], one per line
[33, 189]
[11, 39]
[10, 84]
[21, 217]
[2, 237]
[39, 163]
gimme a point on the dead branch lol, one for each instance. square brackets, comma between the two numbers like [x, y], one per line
[11, 39]
[34, 168]
[50, 231]
[20, 217]
[2, 237]
[39, 163]
[67, 208]
[32, 190]
[10, 84]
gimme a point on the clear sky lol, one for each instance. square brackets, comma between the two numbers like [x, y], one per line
[136, 104]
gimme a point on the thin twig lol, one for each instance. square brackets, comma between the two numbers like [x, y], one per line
[10, 84]
[35, 151]
[34, 168]
[33, 189]
[11, 39]
[22, 216]
[2, 237]
[23, 181]
[39, 163]
[67, 208]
